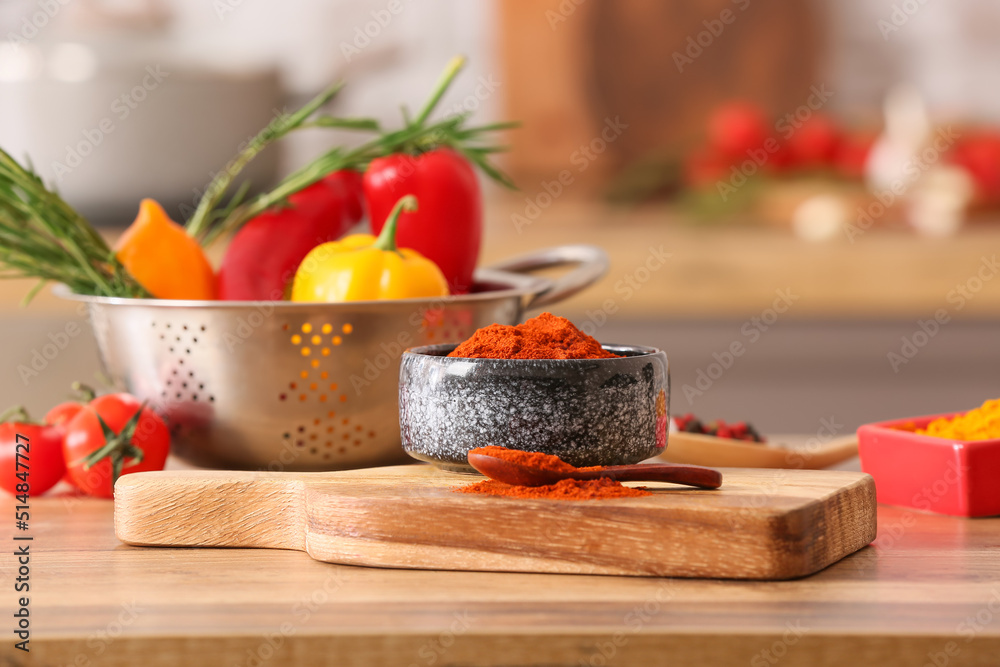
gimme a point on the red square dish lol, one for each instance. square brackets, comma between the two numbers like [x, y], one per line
[956, 477]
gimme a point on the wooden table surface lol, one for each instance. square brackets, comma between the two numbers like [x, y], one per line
[926, 592]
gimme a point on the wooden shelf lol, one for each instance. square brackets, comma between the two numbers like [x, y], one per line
[724, 271]
[736, 271]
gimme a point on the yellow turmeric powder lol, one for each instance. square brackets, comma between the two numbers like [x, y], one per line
[983, 423]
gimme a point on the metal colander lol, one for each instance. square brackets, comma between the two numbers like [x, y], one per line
[303, 386]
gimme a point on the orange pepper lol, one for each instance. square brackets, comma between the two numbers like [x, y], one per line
[163, 258]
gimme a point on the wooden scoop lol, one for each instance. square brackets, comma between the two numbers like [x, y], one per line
[708, 450]
[519, 474]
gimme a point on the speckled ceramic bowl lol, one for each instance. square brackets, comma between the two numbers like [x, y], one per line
[586, 411]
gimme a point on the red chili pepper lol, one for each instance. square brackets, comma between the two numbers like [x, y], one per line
[264, 254]
[448, 226]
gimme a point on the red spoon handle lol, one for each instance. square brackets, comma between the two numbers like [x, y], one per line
[706, 478]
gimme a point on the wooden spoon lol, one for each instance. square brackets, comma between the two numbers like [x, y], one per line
[519, 474]
[699, 449]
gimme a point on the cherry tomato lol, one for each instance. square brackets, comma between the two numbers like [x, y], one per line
[704, 168]
[137, 440]
[852, 155]
[41, 456]
[815, 142]
[737, 127]
[60, 415]
[979, 154]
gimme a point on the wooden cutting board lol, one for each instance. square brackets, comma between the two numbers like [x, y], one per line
[762, 524]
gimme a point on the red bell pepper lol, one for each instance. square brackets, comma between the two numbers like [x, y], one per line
[262, 258]
[448, 227]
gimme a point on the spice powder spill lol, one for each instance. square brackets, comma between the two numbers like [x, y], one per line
[567, 489]
[544, 337]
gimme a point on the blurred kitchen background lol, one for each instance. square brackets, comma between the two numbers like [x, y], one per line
[818, 181]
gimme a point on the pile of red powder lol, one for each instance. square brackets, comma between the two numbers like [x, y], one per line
[566, 489]
[544, 337]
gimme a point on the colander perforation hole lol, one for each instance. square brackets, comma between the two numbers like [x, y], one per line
[314, 342]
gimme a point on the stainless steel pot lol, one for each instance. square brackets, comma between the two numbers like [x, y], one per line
[303, 386]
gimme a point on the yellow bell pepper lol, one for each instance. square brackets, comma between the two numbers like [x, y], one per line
[163, 258]
[361, 267]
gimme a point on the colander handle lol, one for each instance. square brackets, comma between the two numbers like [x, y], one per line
[591, 264]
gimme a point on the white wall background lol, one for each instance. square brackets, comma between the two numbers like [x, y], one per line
[949, 49]
[386, 58]
[389, 52]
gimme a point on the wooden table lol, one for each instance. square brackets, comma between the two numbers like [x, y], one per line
[927, 592]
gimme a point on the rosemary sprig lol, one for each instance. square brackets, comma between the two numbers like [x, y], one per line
[415, 137]
[41, 236]
[206, 216]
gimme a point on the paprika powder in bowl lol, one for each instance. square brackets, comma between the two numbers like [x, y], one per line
[586, 411]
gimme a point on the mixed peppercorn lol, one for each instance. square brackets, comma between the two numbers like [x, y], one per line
[738, 431]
